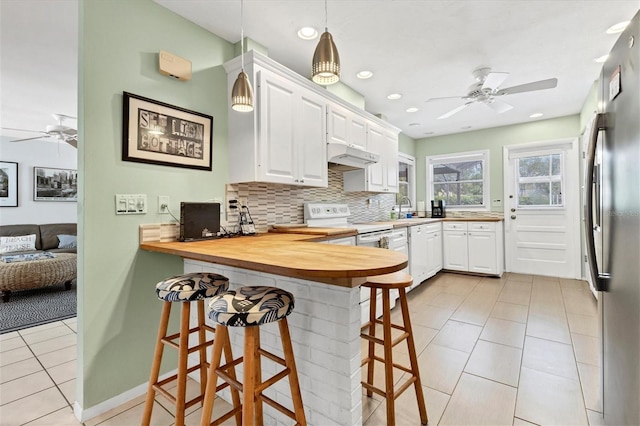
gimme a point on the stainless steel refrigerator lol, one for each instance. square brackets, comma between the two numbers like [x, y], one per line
[613, 225]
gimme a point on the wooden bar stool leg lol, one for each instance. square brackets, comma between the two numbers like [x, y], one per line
[202, 339]
[294, 384]
[413, 357]
[258, 376]
[373, 302]
[388, 357]
[228, 356]
[183, 353]
[221, 340]
[157, 360]
[251, 339]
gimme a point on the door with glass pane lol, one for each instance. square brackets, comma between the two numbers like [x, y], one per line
[542, 209]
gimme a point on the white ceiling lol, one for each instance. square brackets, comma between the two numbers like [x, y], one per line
[420, 48]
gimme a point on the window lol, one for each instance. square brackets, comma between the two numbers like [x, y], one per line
[460, 180]
[406, 180]
[540, 180]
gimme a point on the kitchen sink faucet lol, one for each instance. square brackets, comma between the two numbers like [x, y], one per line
[404, 197]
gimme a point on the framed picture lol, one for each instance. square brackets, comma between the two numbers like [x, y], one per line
[8, 184]
[55, 184]
[158, 133]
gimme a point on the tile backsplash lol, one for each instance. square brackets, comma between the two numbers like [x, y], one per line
[276, 204]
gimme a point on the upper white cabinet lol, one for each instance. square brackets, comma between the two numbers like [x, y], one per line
[383, 175]
[345, 126]
[284, 139]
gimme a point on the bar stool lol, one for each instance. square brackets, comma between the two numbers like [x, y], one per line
[250, 307]
[400, 281]
[187, 288]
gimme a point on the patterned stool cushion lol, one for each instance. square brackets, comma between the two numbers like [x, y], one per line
[251, 305]
[191, 287]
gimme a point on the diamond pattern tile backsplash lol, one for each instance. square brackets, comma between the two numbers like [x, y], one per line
[277, 204]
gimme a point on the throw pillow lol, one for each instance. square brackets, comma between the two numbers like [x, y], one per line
[67, 241]
[27, 257]
[17, 243]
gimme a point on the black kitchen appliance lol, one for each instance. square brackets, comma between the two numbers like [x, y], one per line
[199, 221]
[438, 208]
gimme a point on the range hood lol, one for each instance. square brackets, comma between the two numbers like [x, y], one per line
[349, 157]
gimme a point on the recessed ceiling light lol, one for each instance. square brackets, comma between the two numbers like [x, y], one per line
[412, 109]
[414, 124]
[394, 96]
[307, 33]
[364, 74]
[465, 127]
[601, 59]
[617, 28]
[536, 115]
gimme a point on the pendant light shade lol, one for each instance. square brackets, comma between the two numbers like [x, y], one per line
[325, 68]
[242, 94]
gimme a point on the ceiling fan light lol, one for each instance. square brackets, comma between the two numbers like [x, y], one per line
[242, 94]
[325, 67]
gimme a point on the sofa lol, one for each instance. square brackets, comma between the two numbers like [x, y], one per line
[35, 256]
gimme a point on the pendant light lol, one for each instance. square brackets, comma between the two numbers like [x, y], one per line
[325, 68]
[242, 94]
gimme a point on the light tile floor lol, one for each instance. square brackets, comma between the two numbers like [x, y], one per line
[517, 350]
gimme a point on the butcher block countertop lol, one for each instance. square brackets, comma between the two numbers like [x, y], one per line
[291, 255]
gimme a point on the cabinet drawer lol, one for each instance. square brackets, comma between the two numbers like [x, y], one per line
[482, 226]
[454, 226]
[432, 227]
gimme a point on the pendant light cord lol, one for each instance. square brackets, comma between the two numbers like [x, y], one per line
[242, 33]
[326, 25]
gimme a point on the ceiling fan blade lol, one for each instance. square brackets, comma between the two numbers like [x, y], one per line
[498, 106]
[529, 87]
[444, 97]
[23, 130]
[72, 141]
[29, 139]
[453, 111]
[493, 80]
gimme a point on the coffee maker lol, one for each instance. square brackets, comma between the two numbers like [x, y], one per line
[438, 208]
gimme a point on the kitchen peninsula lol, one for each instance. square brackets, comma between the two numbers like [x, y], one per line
[325, 324]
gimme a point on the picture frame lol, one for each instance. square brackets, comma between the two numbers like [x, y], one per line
[51, 184]
[158, 133]
[8, 184]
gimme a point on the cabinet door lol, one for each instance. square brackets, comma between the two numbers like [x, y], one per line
[482, 252]
[310, 134]
[278, 100]
[455, 251]
[434, 253]
[358, 131]
[343, 126]
[419, 253]
[391, 162]
[376, 143]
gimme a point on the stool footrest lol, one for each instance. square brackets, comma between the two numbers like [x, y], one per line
[273, 379]
[169, 340]
[272, 357]
[284, 410]
[226, 416]
[377, 358]
[379, 341]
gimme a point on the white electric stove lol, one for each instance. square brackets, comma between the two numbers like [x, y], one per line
[335, 215]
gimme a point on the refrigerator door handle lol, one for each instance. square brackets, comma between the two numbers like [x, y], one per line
[599, 278]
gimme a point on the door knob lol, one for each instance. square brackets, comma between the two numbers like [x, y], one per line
[513, 216]
[513, 210]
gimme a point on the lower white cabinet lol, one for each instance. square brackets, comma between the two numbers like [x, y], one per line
[425, 247]
[473, 247]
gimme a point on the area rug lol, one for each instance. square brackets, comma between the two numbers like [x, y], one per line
[34, 307]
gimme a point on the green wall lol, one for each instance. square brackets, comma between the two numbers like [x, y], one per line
[118, 311]
[492, 139]
[406, 145]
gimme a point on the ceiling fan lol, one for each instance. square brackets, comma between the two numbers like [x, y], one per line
[59, 131]
[486, 91]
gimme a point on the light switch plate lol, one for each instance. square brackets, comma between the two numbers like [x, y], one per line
[131, 203]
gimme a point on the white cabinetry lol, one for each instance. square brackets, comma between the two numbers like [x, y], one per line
[474, 247]
[347, 127]
[284, 139]
[425, 247]
[383, 175]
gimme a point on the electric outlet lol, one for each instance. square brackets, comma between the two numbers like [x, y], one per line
[163, 204]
